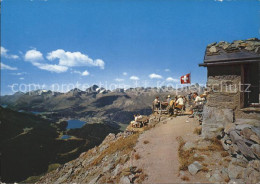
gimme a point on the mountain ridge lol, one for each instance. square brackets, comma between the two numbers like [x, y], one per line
[94, 102]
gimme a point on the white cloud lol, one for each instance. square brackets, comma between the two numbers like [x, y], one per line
[85, 73]
[66, 60]
[170, 79]
[6, 67]
[33, 56]
[21, 78]
[125, 73]
[155, 76]
[167, 70]
[51, 68]
[77, 72]
[219, 0]
[119, 80]
[19, 73]
[71, 59]
[6, 55]
[134, 78]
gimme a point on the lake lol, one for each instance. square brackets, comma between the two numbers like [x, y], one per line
[65, 137]
[4, 105]
[74, 123]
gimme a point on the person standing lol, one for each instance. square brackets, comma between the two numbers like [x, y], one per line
[169, 99]
[156, 103]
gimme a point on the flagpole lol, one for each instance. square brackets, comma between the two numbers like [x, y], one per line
[190, 80]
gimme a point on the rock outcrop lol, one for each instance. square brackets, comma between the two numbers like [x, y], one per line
[241, 140]
[215, 120]
[109, 162]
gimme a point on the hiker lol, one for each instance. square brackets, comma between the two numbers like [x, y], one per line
[184, 102]
[135, 123]
[198, 99]
[139, 116]
[171, 107]
[179, 103]
[198, 103]
[156, 103]
[164, 104]
[204, 96]
[169, 99]
[189, 98]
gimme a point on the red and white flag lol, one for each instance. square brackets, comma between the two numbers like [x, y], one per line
[185, 79]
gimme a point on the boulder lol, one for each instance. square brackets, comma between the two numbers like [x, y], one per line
[241, 127]
[256, 149]
[229, 127]
[229, 141]
[256, 130]
[188, 145]
[117, 170]
[244, 149]
[252, 174]
[216, 177]
[233, 149]
[235, 171]
[255, 138]
[208, 175]
[254, 164]
[225, 146]
[215, 121]
[213, 49]
[247, 132]
[253, 122]
[235, 137]
[108, 167]
[242, 162]
[224, 174]
[194, 167]
[125, 180]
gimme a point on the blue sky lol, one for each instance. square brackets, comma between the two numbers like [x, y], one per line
[110, 41]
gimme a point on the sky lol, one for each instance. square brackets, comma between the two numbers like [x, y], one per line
[60, 44]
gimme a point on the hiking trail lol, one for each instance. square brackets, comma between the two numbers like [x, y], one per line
[159, 157]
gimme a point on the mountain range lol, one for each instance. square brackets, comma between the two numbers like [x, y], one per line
[32, 124]
[94, 104]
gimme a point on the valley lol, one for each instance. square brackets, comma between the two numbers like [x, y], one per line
[42, 129]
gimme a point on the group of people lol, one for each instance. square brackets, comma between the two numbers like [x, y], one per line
[198, 102]
[173, 105]
[135, 123]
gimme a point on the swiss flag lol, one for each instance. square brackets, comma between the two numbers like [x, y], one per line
[185, 79]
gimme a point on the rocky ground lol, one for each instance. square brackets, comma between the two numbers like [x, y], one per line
[170, 149]
[158, 150]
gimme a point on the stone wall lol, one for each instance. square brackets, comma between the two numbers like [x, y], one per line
[214, 121]
[225, 91]
[224, 99]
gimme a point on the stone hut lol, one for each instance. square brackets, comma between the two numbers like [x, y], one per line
[233, 83]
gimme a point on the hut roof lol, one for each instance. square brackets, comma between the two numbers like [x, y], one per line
[239, 51]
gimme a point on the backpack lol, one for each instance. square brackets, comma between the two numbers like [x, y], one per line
[171, 103]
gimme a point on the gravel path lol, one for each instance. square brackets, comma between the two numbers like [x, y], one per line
[159, 157]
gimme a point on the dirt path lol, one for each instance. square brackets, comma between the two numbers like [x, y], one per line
[159, 157]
